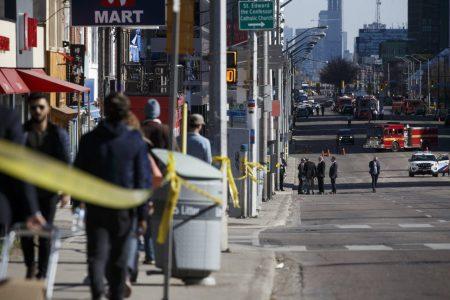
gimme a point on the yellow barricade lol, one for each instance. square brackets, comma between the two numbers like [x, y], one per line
[226, 164]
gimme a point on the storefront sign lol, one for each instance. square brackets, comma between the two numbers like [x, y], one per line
[118, 12]
[27, 32]
[76, 66]
[4, 43]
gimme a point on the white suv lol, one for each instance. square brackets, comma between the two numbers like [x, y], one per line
[423, 163]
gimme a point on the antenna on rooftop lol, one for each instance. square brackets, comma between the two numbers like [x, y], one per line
[378, 13]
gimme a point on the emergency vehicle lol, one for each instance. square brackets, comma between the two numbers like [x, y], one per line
[365, 106]
[343, 101]
[423, 163]
[409, 107]
[396, 136]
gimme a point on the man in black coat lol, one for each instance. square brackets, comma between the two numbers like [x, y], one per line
[18, 201]
[321, 175]
[310, 173]
[374, 170]
[117, 154]
[301, 176]
[333, 174]
[46, 138]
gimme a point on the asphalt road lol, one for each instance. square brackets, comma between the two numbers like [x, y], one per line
[393, 244]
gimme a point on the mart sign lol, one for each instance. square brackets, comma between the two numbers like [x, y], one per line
[256, 15]
[131, 13]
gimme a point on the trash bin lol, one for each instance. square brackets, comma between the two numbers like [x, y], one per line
[197, 220]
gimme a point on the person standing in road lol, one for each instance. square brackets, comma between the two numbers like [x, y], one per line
[311, 173]
[322, 108]
[317, 110]
[47, 138]
[18, 201]
[321, 175]
[197, 145]
[374, 170]
[301, 176]
[333, 174]
[116, 153]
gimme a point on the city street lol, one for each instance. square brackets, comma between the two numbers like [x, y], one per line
[393, 244]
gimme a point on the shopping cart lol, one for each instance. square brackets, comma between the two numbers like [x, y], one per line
[29, 289]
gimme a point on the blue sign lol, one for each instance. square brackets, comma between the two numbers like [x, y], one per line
[118, 12]
[237, 113]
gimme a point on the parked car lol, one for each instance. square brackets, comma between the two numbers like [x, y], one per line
[345, 137]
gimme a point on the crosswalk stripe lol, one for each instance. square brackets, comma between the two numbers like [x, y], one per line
[368, 248]
[413, 225]
[439, 246]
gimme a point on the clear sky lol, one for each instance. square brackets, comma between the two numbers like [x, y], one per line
[356, 13]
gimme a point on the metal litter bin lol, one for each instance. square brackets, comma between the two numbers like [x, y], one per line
[197, 220]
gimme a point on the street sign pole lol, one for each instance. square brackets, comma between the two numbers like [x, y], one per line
[172, 126]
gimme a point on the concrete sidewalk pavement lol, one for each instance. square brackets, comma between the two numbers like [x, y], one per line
[247, 271]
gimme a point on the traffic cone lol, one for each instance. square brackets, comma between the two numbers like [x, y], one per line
[328, 152]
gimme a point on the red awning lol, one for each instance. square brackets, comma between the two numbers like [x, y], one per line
[38, 81]
[5, 87]
[15, 81]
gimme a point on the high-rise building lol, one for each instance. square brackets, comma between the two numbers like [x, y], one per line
[344, 42]
[370, 37]
[288, 34]
[428, 25]
[333, 40]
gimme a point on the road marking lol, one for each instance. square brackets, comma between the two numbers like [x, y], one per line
[285, 248]
[420, 211]
[442, 221]
[368, 248]
[436, 246]
[353, 226]
[409, 206]
[428, 216]
[412, 225]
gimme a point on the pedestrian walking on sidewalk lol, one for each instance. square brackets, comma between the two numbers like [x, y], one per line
[311, 173]
[374, 170]
[116, 153]
[45, 137]
[301, 176]
[18, 201]
[333, 173]
[321, 175]
[197, 145]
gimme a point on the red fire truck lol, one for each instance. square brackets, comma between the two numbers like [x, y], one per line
[365, 106]
[403, 106]
[396, 136]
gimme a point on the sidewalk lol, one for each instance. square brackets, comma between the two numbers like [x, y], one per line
[247, 271]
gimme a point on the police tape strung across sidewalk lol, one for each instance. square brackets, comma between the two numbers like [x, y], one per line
[40, 170]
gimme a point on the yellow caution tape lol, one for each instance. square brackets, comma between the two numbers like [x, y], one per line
[175, 183]
[55, 176]
[226, 165]
[50, 174]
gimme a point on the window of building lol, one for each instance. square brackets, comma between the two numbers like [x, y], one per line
[94, 45]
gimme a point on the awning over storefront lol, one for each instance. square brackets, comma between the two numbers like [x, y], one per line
[5, 87]
[38, 81]
[24, 81]
[15, 81]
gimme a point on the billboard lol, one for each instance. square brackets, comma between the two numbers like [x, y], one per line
[134, 13]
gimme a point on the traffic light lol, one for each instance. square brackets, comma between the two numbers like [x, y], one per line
[231, 75]
[231, 66]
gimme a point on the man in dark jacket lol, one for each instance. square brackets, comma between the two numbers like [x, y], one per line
[156, 132]
[301, 176]
[46, 138]
[18, 201]
[310, 173]
[374, 170]
[321, 174]
[333, 174]
[117, 154]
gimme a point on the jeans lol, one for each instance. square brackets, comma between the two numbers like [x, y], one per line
[148, 242]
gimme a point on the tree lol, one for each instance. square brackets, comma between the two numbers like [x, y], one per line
[338, 70]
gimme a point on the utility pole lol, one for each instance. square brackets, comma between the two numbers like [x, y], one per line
[119, 58]
[218, 98]
[265, 114]
[252, 121]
